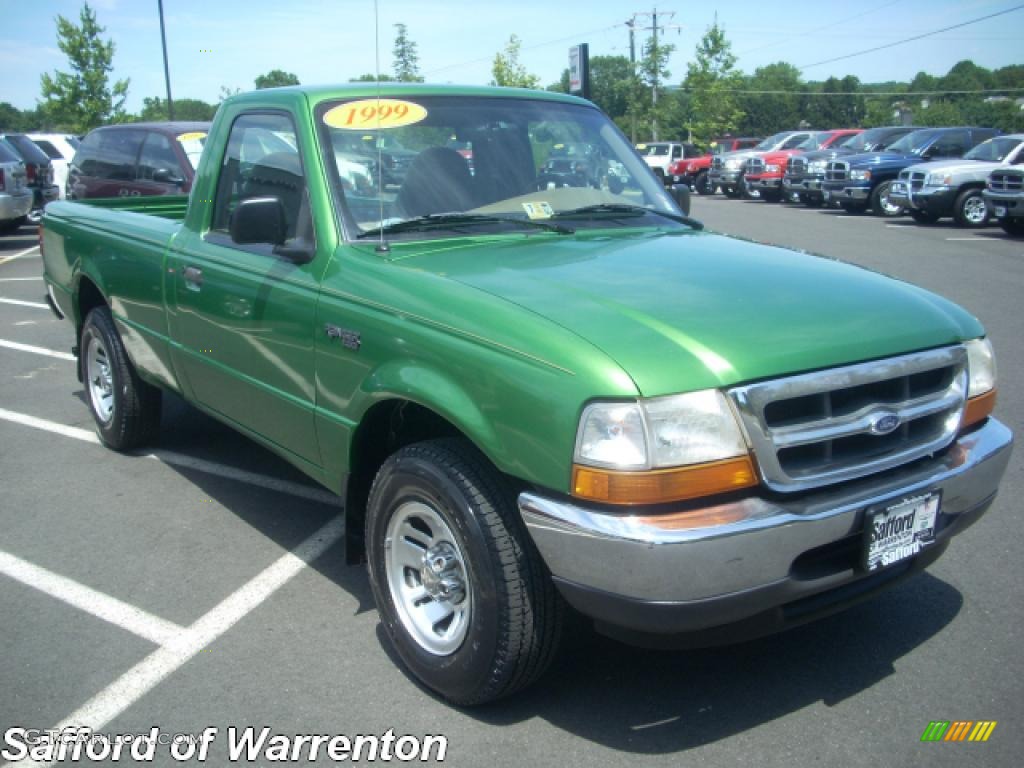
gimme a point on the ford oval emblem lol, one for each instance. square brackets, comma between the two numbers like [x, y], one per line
[885, 422]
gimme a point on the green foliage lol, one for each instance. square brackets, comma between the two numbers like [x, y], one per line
[839, 111]
[83, 99]
[369, 77]
[13, 119]
[275, 78]
[611, 80]
[407, 60]
[507, 70]
[878, 112]
[227, 93]
[155, 109]
[939, 114]
[773, 112]
[710, 81]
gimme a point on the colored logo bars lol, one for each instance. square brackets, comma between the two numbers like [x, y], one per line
[958, 730]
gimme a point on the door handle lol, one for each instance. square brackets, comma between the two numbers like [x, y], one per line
[193, 278]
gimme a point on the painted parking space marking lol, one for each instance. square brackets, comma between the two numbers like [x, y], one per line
[36, 350]
[180, 648]
[974, 239]
[20, 303]
[103, 606]
[180, 460]
[19, 255]
[19, 279]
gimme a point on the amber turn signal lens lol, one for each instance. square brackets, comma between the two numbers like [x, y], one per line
[978, 408]
[657, 486]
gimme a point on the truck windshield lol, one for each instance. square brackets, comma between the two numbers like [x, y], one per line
[652, 150]
[773, 141]
[993, 150]
[913, 143]
[431, 166]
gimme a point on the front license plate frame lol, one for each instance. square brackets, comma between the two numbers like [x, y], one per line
[899, 531]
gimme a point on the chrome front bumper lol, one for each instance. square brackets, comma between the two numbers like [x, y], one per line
[778, 552]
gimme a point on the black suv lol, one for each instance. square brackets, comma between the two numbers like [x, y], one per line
[38, 170]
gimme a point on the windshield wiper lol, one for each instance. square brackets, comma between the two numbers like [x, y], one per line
[445, 220]
[623, 209]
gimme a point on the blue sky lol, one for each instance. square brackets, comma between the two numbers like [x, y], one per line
[325, 41]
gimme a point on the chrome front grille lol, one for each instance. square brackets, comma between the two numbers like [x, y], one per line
[1006, 181]
[916, 180]
[755, 166]
[837, 170]
[796, 166]
[717, 164]
[843, 423]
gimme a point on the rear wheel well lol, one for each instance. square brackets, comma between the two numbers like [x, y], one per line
[89, 297]
[387, 427]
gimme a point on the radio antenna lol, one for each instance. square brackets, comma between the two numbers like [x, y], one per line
[382, 246]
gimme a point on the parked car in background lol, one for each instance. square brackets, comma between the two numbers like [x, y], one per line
[573, 165]
[764, 171]
[1004, 194]
[60, 148]
[135, 159]
[859, 182]
[38, 172]
[695, 172]
[931, 191]
[805, 172]
[727, 169]
[659, 155]
[15, 195]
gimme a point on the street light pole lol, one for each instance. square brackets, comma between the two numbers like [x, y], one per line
[167, 69]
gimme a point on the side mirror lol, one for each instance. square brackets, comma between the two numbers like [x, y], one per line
[681, 194]
[165, 176]
[258, 220]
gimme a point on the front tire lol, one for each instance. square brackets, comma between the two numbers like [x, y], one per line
[880, 203]
[702, 185]
[462, 593]
[970, 210]
[125, 408]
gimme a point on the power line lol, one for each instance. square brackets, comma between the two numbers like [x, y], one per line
[818, 29]
[911, 39]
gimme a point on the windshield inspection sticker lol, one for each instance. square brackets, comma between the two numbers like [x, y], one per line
[192, 136]
[374, 113]
[538, 210]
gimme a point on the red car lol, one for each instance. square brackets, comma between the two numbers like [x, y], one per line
[764, 173]
[694, 171]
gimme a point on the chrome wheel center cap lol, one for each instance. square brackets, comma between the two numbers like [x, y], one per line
[441, 574]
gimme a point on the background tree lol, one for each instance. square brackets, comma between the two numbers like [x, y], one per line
[155, 109]
[369, 77]
[13, 119]
[711, 82]
[507, 70]
[652, 106]
[227, 93]
[407, 60]
[83, 99]
[276, 78]
[782, 109]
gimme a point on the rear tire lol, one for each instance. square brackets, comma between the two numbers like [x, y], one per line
[441, 502]
[125, 408]
[970, 210]
[702, 185]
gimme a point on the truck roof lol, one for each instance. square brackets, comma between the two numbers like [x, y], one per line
[319, 93]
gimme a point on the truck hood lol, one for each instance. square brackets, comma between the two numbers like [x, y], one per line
[963, 170]
[876, 159]
[692, 310]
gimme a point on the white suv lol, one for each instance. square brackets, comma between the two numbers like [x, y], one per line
[60, 148]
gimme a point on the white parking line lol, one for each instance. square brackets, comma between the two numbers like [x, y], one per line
[181, 460]
[20, 303]
[974, 239]
[36, 350]
[19, 255]
[18, 279]
[125, 616]
[144, 676]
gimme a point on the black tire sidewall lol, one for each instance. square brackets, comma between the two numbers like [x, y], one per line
[460, 675]
[100, 324]
[701, 184]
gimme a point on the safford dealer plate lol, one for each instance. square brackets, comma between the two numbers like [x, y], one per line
[900, 531]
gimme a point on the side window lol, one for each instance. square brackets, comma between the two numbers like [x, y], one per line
[49, 149]
[115, 158]
[262, 160]
[677, 152]
[952, 144]
[794, 141]
[158, 161]
[85, 156]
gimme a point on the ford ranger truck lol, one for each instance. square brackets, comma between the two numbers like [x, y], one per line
[805, 172]
[859, 182]
[533, 398]
[942, 188]
[764, 171]
[696, 173]
[727, 169]
[1004, 194]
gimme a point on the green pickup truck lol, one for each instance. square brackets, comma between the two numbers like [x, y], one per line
[534, 393]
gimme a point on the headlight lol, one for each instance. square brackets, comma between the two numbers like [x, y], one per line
[771, 168]
[860, 175]
[938, 180]
[660, 450]
[981, 383]
[816, 166]
[981, 364]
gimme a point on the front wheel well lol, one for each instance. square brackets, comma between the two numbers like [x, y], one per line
[387, 427]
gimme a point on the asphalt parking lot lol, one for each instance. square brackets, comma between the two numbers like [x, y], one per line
[203, 584]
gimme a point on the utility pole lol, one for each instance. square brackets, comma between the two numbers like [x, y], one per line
[654, 29]
[167, 69]
[631, 23]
